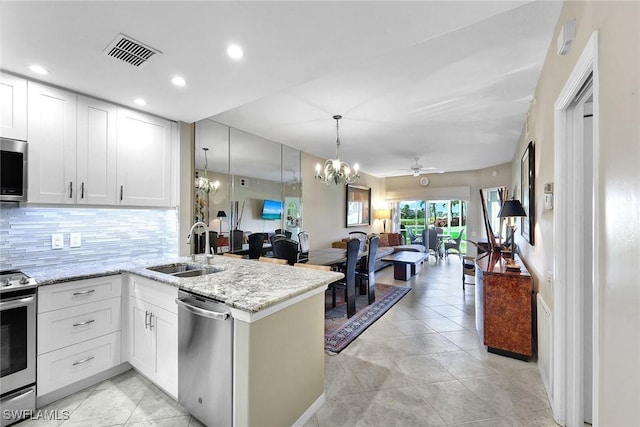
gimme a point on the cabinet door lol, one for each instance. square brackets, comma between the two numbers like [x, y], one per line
[13, 107]
[52, 145]
[144, 160]
[142, 344]
[96, 171]
[165, 325]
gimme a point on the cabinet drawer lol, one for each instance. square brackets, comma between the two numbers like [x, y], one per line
[61, 328]
[59, 368]
[156, 293]
[79, 292]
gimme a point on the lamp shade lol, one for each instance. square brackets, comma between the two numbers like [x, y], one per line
[383, 214]
[511, 208]
[221, 214]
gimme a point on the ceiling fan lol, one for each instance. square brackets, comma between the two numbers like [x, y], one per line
[416, 169]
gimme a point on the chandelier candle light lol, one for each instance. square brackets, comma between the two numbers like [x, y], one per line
[335, 170]
[202, 182]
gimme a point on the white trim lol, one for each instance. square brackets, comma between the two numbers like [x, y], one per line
[247, 317]
[566, 398]
[310, 411]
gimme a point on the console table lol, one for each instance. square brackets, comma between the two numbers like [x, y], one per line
[505, 307]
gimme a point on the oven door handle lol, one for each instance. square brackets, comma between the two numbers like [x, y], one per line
[18, 395]
[17, 302]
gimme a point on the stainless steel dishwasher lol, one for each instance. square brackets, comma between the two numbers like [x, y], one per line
[205, 359]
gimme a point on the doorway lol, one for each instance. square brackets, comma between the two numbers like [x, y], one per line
[575, 291]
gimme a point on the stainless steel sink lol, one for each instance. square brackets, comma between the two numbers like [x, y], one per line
[184, 270]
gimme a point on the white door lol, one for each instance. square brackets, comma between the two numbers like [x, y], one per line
[142, 343]
[13, 107]
[52, 145]
[96, 153]
[144, 160]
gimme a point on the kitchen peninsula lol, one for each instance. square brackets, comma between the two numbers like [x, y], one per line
[278, 311]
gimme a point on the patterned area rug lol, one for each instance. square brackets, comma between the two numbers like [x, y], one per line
[339, 331]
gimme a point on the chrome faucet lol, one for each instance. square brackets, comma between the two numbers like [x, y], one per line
[207, 247]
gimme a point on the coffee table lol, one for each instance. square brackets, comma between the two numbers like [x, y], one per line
[404, 263]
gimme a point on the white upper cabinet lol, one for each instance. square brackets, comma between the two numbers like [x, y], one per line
[52, 145]
[96, 154]
[13, 107]
[144, 159]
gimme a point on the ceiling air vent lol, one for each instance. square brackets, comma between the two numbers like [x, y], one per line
[130, 51]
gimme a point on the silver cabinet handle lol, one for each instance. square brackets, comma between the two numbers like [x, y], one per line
[82, 190]
[146, 317]
[80, 362]
[17, 302]
[71, 189]
[151, 321]
[86, 322]
[75, 294]
[121, 192]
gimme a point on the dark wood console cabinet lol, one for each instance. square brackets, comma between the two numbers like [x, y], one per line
[505, 307]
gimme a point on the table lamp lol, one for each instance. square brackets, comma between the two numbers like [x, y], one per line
[221, 215]
[384, 215]
[511, 209]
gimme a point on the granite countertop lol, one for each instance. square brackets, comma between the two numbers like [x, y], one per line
[243, 284]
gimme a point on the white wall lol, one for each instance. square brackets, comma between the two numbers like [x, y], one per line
[618, 192]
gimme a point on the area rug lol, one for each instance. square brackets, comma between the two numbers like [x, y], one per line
[339, 331]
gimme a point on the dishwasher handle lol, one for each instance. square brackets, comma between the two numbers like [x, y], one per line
[216, 315]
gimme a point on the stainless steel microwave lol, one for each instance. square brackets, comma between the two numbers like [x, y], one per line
[13, 170]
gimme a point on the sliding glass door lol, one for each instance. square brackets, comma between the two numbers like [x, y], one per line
[449, 215]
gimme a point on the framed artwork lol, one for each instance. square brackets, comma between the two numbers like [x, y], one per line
[527, 184]
[358, 206]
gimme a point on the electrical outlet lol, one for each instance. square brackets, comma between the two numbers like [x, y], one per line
[75, 240]
[57, 241]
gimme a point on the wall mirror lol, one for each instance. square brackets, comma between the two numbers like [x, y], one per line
[358, 206]
[250, 170]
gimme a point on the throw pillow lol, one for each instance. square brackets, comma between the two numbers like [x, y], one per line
[384, 240]
[394, 239]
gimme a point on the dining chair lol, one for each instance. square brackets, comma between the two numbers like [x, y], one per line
[228, 255]
[362, 238]
[468, 269]
[303, 239]
[236, 239]
[413, 239]
[312, 266]
[366, 273]
[286, 233]
[453, 245]
[349, 281]
[273, 238]
[286, 249]
[272, 260]
[256, 241]
[430, 236]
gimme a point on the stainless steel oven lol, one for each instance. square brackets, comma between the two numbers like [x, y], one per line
[18, 346]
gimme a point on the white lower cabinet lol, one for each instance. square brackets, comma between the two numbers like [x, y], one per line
[79, 331]
[153, 332]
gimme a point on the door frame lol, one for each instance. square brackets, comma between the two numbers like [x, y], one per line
[566, 391]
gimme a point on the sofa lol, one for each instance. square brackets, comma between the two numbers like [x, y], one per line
[389, 243]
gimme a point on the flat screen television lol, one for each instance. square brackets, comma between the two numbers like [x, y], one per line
[272, 209]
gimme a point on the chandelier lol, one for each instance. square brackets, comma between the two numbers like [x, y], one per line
[203, 183]
[335, 170]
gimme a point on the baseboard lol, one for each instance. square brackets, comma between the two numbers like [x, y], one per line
[306, 416]
[80, 385]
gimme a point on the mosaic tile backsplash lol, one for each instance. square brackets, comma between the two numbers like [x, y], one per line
[106, 234]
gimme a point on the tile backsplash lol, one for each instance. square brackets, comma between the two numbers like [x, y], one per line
[106, 234]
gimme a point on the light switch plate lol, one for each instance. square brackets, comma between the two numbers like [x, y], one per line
[57, 241]
[75, 240]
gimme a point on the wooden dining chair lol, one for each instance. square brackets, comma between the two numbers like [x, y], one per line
[366, 271]
[273, 260]
[313, 266]
[228, 255]
[349, 281]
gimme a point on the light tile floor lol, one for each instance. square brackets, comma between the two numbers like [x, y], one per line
[421, 364]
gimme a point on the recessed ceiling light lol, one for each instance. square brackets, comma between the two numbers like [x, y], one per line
[234, 51]
[178, 81]
[140, 102]
[38, 69]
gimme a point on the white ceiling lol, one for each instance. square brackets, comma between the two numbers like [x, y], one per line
[447, 82]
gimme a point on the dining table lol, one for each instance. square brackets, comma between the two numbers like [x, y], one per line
[335, 257]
